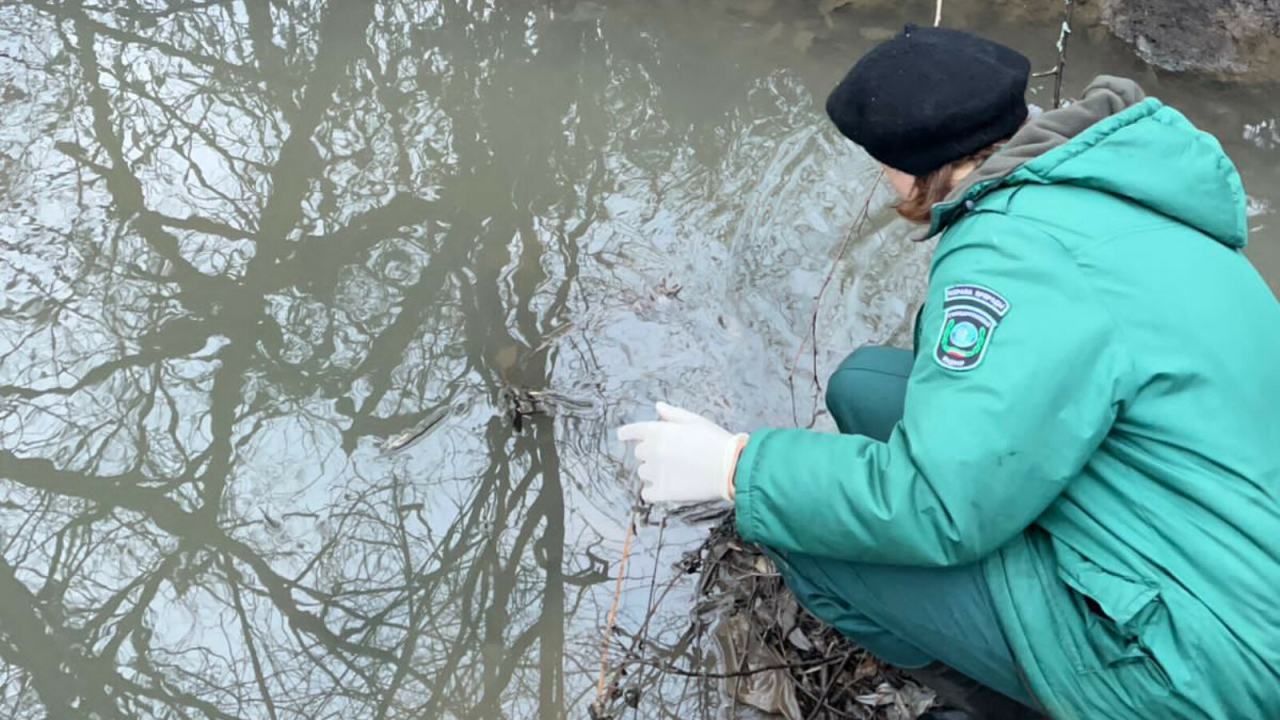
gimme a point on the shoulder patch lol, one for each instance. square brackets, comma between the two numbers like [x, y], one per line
[971, 314]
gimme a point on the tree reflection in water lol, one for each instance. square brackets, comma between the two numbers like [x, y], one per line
[245, 242]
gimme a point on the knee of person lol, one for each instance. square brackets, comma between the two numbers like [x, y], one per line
[850, 373]
[867, 389]
[810, 580]
[881, 359]
[802, 576]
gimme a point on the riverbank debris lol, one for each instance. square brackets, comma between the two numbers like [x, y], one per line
[818, 672]
[771, 656]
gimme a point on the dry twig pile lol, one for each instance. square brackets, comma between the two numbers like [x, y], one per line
[772, 655]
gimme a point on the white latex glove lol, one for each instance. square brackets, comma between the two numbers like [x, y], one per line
[684, 457]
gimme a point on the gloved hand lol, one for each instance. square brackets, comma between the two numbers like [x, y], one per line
[684, 457]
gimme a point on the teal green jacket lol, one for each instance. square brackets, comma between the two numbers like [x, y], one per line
[1093, 414]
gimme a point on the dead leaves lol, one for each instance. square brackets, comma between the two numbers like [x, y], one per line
[757, 623]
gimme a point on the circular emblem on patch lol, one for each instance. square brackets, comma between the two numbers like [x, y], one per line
[964, 335]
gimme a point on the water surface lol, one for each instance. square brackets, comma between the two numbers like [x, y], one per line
[247, 248]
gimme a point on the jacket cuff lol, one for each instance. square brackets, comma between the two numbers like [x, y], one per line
[744, 481]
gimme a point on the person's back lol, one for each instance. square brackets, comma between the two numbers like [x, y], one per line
[1170, 531]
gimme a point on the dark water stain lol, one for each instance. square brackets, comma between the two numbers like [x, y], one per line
[246, 245]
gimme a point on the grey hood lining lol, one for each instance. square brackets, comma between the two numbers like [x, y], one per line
[1105, 96]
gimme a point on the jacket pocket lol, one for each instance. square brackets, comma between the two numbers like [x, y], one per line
[1125, 621]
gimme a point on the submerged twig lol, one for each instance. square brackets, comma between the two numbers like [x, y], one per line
[653, 582]
[640, 641]
[404, 439]
[856, 231]
[613, 614]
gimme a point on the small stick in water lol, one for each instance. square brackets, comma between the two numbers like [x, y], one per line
[403, 440]
[613, 616]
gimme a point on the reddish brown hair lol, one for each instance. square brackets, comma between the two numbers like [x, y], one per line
[931, 189]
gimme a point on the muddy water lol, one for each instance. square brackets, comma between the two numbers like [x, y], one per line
[275, 274]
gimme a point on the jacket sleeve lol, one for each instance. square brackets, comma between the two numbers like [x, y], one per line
[983, 449]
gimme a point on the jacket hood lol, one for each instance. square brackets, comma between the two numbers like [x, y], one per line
[1116, 141]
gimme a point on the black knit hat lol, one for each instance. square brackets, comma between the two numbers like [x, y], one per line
[930, 96]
